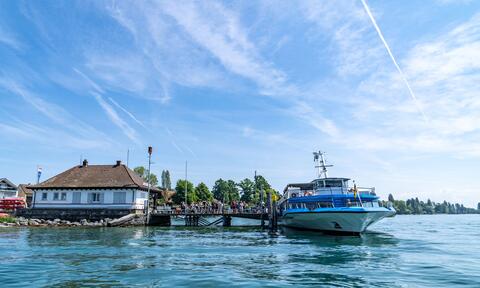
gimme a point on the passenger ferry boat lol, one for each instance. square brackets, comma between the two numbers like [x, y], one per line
[330, 204]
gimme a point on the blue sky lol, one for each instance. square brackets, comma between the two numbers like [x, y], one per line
[239, 86]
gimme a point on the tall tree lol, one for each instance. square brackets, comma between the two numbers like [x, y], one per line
[220, 189]
[142, 172]
[478, 206]
[225, 191]
[233, 193]
[179, 196]
[263, 187]
[168, 182]
[390, 198]
[203, 193]
[247, 190]
[163, 185]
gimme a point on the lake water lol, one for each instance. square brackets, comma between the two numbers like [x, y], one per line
[405, 251]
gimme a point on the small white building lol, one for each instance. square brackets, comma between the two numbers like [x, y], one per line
[92, 187]
[7, 189]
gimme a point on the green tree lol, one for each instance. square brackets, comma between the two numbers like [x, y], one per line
[263, 187]
[220, 189]
[203, 193]
[478, 206]
[390, 198]
[225, 191]
[401, 207]
[247, 190]
[168, 182]
[179, 196]
[163, 180]
[233, 193]
[142, 172]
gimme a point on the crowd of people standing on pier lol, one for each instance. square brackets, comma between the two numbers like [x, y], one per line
[217, 207]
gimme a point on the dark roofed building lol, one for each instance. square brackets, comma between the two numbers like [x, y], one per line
[93, 187]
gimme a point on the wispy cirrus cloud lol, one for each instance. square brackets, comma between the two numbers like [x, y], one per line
[206, 44]
[127, 112]
[445, 72]
[387, 47]
[116, 119]
[111, 113]
[7, 38]
[76, 130]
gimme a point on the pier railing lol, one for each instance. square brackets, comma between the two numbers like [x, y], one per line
[210, 212]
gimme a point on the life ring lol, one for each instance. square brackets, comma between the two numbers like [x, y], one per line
[293, 195]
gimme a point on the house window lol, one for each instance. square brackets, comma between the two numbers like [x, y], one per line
[63, 196]
[119, 197]
[77, 198]
[96, 197]
[55, 196]
[44, 196]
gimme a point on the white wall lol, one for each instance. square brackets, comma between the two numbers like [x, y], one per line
[8, 194]
[134, 199]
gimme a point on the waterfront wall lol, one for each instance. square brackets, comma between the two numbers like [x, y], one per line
[74, 214]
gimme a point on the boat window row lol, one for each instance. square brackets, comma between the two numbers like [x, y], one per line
[310, 205]
[370, 204]
[322, 183]
[364, 204]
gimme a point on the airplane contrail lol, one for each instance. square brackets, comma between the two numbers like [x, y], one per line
[415, 100]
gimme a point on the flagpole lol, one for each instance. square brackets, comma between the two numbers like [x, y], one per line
[186, 187]
[150, 150]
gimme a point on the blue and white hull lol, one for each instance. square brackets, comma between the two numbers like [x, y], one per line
[338, 220]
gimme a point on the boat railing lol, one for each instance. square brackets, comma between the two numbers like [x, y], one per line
[331, 196]
[366, 190]
[360, 199]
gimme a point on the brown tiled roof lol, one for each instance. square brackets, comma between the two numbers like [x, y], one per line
[24, 191]
[95, 176]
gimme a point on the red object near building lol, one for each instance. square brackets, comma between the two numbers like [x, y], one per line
[11, 204]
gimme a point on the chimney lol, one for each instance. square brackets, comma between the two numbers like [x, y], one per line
[85, 163]
[119, 162]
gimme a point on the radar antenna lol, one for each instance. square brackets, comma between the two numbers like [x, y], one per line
[319, 159]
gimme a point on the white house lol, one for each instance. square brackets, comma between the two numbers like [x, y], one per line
[7, 189]
[92, 187]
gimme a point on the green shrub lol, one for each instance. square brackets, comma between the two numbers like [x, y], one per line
[8, 219]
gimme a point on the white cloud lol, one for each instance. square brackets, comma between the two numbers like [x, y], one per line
[116, 119]
[8, 39]
[77, 130]
[355, 50]
[219, 31]
[445, 73]
[127, 112]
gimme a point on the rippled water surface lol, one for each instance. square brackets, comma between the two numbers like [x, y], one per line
[405, 251]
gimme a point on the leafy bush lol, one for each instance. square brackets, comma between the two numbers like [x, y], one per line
[8, 219]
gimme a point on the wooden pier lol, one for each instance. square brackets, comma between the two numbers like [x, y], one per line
[164, 218]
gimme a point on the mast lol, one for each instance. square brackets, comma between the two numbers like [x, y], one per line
[320, 164]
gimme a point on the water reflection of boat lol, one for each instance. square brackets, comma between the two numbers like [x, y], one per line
[330, 204]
